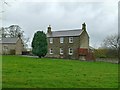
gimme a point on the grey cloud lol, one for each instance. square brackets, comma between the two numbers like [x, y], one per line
[101, 19]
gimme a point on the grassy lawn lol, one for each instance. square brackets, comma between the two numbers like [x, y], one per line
[26, 72]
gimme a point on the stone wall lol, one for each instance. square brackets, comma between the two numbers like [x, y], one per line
[56, 45]
[111, 60]
[84, 40]
[19, 47]
[81, 41]
[7, 49]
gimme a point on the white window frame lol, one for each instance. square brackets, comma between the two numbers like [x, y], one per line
[61, 40]
[70, 39]
[51, 51]
[51, 40]
[5, 47]
[61, 51]
[70, 51]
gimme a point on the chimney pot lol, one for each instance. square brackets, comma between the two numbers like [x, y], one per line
[83, 26]
[49, 29]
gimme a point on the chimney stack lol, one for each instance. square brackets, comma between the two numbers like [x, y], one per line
[49, 30]
[83, 26]
[19, 35]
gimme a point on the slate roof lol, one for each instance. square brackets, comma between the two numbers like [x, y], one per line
[75, 32]
[8, 40]
[90, 47]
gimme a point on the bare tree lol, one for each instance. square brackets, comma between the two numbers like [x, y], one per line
[14, 31]
[4, 3]
[2, 32]
[112, 42]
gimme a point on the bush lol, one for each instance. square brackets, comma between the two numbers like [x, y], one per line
[12, 52]
[105, 53]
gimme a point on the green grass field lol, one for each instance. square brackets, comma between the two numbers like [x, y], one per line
[26, 72]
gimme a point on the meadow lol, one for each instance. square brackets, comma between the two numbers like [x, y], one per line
[27, 72]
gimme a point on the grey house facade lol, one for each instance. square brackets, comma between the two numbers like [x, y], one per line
[12, 46]
[69, 44]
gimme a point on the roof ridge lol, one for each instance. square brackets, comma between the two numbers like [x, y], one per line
[9, 40]
[67, 30]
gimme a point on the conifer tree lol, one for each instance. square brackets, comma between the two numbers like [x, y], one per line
[39, 44]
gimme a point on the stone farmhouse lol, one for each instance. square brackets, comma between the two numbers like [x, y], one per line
[13, 46]
[69, 44]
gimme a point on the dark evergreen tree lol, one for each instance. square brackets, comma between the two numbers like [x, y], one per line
[39, 44]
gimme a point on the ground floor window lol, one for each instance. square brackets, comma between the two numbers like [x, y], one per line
[70, 51]
[5, 48]
[51, 51]
[61, 51]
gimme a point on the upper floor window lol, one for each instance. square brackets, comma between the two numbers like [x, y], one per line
[70, 39]
[51, 51]
[61, 39]
[61, 51]
[51, 40]
[70, 51]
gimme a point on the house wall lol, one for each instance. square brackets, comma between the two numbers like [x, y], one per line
[9, 47]
[56, 45]
[84, 40]
[84, 44]
[16, 47]
[81, 41]
[19, 47]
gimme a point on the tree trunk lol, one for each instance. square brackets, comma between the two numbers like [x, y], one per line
[119, 55]
[118, 62]
[39, 56]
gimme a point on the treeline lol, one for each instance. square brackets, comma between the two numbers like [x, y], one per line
[106, 53]
[110, 47]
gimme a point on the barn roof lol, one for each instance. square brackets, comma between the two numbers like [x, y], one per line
[63, 33]
[8, 40]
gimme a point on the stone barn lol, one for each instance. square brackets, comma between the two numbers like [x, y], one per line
[12, 46]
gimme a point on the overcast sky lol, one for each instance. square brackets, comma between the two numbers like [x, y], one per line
[101, 17]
